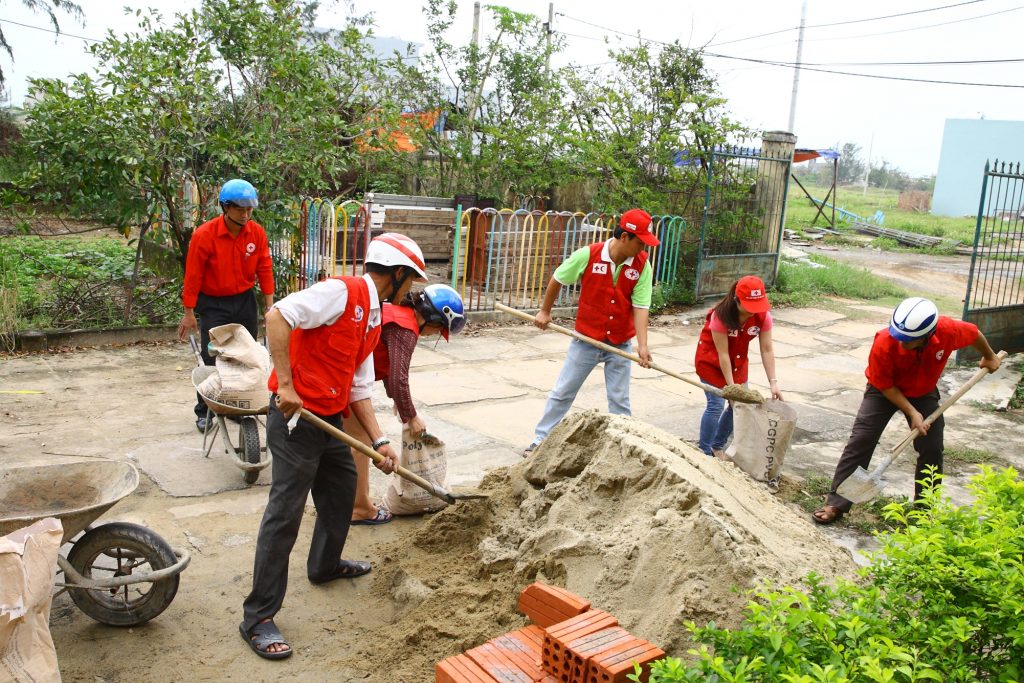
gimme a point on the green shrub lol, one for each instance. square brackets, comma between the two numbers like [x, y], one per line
[800, 284]
[74, 282]
[941, 601]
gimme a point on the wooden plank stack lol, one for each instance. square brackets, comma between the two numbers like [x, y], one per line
[430, 228]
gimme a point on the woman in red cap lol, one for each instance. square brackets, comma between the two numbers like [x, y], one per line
[722, 354]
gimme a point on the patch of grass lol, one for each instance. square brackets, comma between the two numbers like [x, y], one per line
[866, 518]
[800, 211]
[957, 458]
[885, 244]
[1017, 401]
[800, 284]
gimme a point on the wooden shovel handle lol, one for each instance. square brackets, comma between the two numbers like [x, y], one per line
[610, 349]
[373, 455]
[977, 377]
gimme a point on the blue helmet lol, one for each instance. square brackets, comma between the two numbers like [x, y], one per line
[239, 192]
[442, 305]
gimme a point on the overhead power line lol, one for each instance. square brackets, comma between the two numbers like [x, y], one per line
[50, 30]
[916, 28]
[850, 21]
[790, 65]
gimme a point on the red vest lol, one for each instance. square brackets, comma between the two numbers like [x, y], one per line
[707, 355]
[325, 359]
[403, 316]
[606, 309]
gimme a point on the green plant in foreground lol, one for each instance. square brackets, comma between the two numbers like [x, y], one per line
[941, 601]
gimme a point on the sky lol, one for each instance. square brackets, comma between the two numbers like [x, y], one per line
[897, 121]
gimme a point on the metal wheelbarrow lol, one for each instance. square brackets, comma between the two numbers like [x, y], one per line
[250, 455]
[118, 573]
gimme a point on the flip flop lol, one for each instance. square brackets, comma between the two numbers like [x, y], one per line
[262, 636]
[382, 517]
[347, 569]
[829, 514]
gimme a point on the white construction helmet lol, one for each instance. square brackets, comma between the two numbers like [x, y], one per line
[915, 318]
[393, 249]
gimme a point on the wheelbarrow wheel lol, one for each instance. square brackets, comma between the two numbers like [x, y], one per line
[249, 437]
[122, 549]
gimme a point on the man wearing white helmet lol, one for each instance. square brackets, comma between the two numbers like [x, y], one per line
[321, 340]
[904, 367]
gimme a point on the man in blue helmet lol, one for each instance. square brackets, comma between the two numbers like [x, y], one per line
[904, 367]
[225, 258]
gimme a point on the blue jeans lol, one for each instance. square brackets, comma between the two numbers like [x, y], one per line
[579, 361]
[715, 424]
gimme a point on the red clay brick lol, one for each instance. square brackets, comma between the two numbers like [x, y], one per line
[546, 605]
[524, 648]
[581, 650]
[540, 613]
[498, 665]
[614, 667]
[460, 669]
[554, 656]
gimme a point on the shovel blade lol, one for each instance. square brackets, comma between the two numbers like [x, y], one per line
[860, 487]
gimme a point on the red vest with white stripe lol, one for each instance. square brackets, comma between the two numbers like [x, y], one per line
[324, 359]
[605, 309]
[706, 360]
[403, 316]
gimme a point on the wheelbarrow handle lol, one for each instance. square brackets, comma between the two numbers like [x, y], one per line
[194, 343]
[977, 377]
[610, 349]
[373, 455]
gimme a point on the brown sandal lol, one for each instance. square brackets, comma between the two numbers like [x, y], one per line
[827, 514]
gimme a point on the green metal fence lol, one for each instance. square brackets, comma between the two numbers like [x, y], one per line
[744, 213]
[995, 288]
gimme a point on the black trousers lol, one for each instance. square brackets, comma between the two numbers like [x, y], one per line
[872, 417]
[307, 459]
[214, 311]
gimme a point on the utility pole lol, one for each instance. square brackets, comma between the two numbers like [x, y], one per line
[476, 24]
[550, 29]
[867, 171]
[796, 71]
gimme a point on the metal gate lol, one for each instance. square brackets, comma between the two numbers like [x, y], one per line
[744, 211]
[995, 287]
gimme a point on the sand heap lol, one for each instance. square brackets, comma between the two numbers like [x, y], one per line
[620, 513]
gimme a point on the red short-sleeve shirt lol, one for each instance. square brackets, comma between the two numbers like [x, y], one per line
[915, 373]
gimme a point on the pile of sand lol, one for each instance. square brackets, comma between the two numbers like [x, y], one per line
[619, 512]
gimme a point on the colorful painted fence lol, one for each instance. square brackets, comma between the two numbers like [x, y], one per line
[508, 256]
[328, 238]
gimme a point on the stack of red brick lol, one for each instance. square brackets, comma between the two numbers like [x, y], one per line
[567, 643]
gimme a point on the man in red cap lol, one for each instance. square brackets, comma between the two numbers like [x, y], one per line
[615, 295]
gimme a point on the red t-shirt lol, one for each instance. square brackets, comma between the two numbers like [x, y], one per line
[221, 265]
[916, 373]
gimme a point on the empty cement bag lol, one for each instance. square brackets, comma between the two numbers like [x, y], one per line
[426, 457]
[28, 562]
[761, 436]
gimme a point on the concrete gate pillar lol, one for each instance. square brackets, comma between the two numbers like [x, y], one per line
[773, 181]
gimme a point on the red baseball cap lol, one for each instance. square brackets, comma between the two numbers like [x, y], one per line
[638, 222]
[751, 292]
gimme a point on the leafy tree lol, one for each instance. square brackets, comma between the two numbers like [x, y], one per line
[851, 164]
[49, 7]
[235, 89]
[504, 103]
[629, 122]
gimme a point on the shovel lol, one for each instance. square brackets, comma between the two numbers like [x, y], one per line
[733, 392]
[862, 486]
[433, 489]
